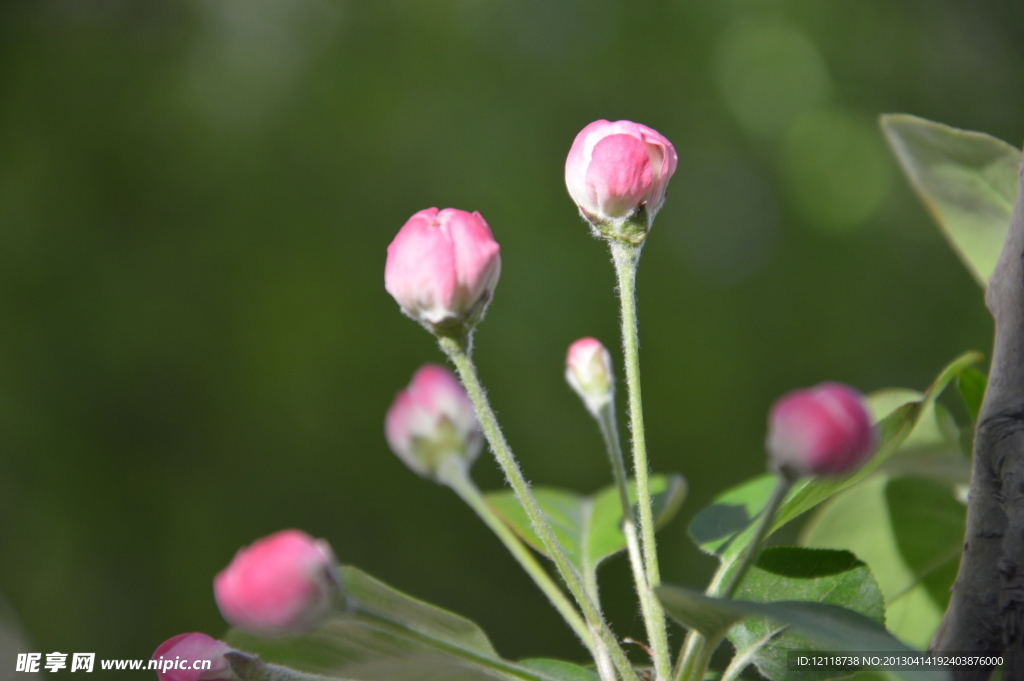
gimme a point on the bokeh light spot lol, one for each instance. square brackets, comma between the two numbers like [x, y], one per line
[836, 169]
[769, 73]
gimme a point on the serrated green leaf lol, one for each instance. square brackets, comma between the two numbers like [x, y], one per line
[966, 180]
[800, 574]
[587, 526]
[385, 635]
[830, 626]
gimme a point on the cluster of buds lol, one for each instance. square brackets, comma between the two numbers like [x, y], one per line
[442, 269]
[284, 583]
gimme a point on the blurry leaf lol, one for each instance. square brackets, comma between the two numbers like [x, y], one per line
[557, 669]
[710, 616]
[966, 180]
[933, 449]
[830, 626]
[385, 635]
[971, 384]
[929, 525]
[906, 530]
[799, 574]
[730, 513]
[587, 526]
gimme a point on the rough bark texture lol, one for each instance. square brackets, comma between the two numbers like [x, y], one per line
[986, 611]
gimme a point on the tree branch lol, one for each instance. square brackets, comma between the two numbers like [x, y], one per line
[986, 610]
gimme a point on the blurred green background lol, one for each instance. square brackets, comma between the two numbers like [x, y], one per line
[196, 348]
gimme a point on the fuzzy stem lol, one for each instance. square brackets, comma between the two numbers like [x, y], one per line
[626, 257]
[764, 523]
[457, 351]
[649, 604]
[697, 648]
[452, 473]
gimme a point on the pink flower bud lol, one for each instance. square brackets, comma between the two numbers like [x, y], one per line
[613, 169]
[184, 657]
[824, 430]
[588, 369]
[283, 583]
[431, 420]
[442, 268]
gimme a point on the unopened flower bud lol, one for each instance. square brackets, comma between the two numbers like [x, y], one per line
[432, 420]
[617, 174]
[588, 369]
[283, 583]
[182, 659]
[824, 430]
[442, 268]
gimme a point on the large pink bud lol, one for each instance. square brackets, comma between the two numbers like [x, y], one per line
[442, 268]
[283, 583]
[193, 657]
[823, 430]
[588, 369]
[614, 169]
[432, 420]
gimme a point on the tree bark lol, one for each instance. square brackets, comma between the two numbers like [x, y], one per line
[986, 610]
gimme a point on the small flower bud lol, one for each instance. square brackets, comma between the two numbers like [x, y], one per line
[442, 268]
[177, 657]
[617, 174]
[283, 583]
[588, 369]
[824, 430]
[431, 420]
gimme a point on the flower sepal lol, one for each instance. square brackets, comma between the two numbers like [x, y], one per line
[632, 229]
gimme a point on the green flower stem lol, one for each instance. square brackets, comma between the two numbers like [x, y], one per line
[456, 349]
[452, 472]
[764, 523]
[697, 649]
[695, 656]
[626, 256]
[650, 607]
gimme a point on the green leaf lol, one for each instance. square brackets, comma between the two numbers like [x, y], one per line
[557, 669]
[830, 626]
[933, 449]
[714, 528]
[929, 525]
[971, 383]
[800, 574]
[966, 180]
[587, 526]
[385, 635]
[909, 531]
